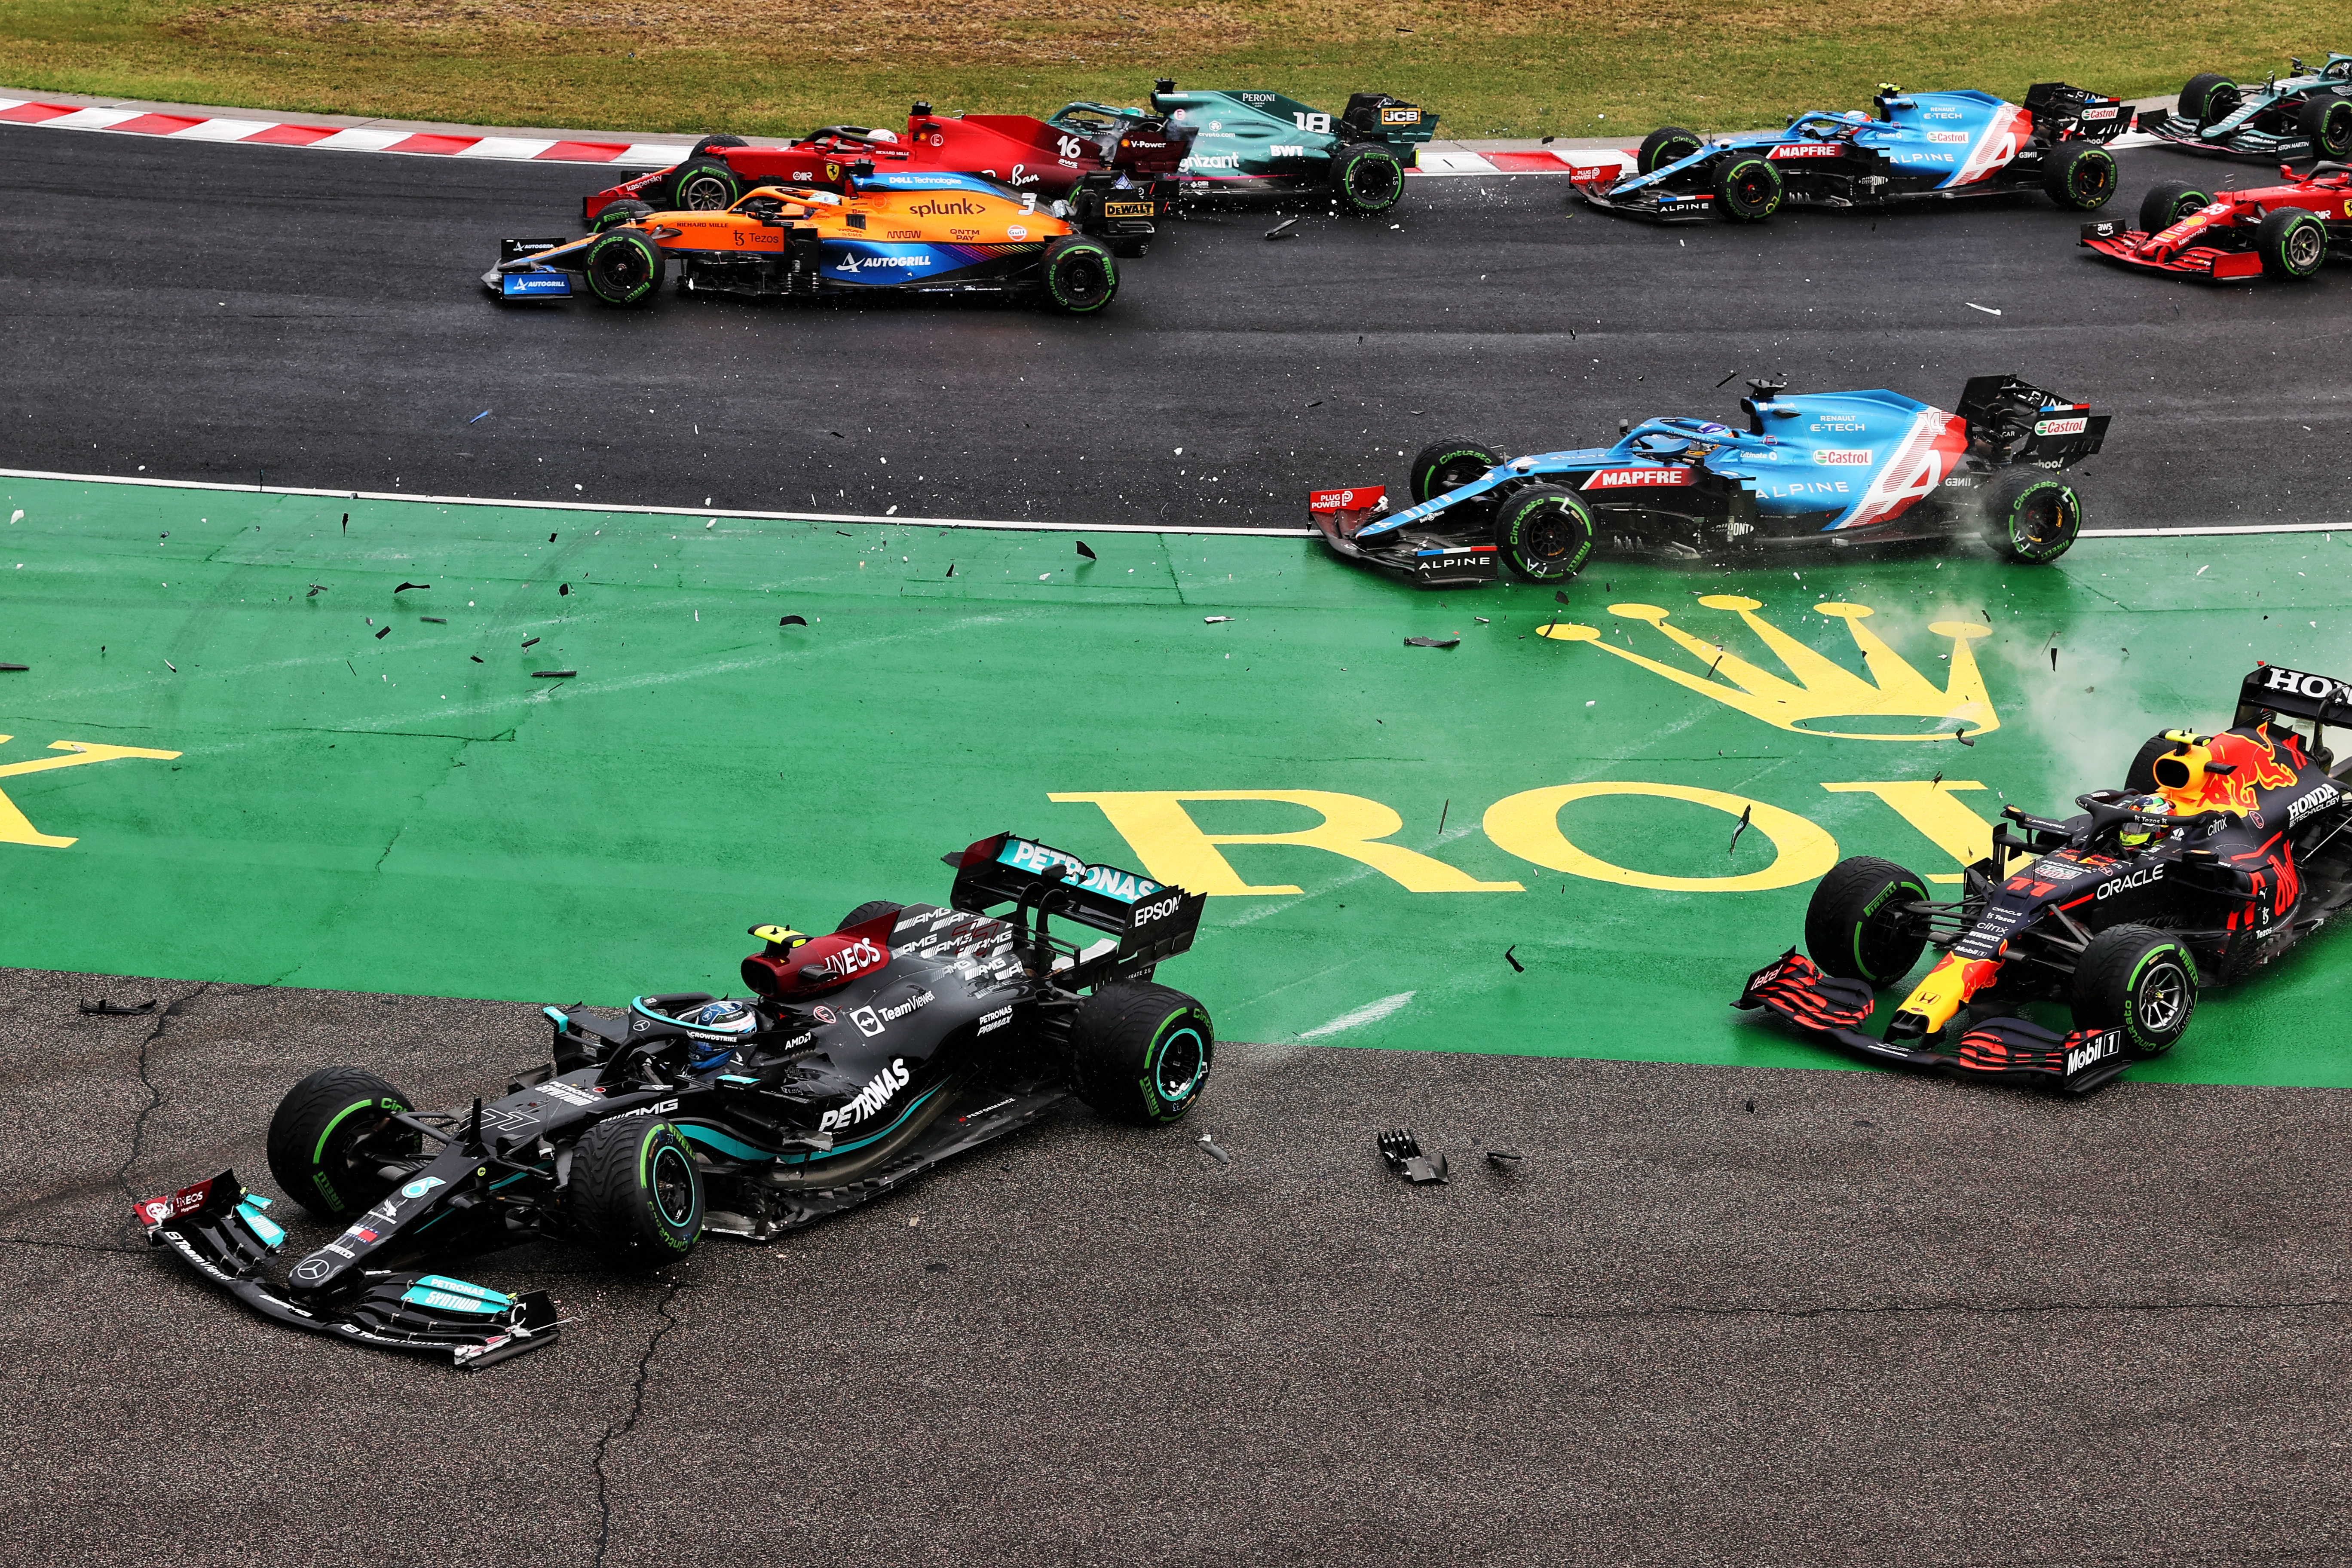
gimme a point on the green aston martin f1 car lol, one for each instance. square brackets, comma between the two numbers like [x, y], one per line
[1264, 141]
[2307, 114]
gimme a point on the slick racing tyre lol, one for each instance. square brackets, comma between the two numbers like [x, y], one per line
[2292, 242]
[2209, 97]
[1748, 190]
[1666, 144]
[2031, 517]
[2329, 123]
[707, 142]
[1079, 275]
[2080, 175]
[1545, 534]
[2139, 980]
[1141, 1053]
[703, 186]
[1855, 926]
[624, 266]
[331, 1136]
[618, 214]
[2169, 201]
[637, 1192]
[866, 912]
[1367, 179]
[1443, 466]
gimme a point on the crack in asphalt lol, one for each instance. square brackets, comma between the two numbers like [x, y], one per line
[154, 1096]
[69, 1246]
[619, 1429]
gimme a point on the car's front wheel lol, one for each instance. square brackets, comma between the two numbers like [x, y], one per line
[1666, 144]
[2031, 519]
[623, 268]
[2209, 97]
[2169, 201]
[1141, 1053]
[703, 186]
[331, 1137]
[2292, 242]
[636, 1192]
[1748, 190]
[1443, 466]
[1859, 923]
[2328, 122]
[2139, 980]
[1545, 534]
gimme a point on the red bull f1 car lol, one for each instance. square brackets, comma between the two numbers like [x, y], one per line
[1844, 467]
[1137, 152]
[1921, 146]
[859, 1059]
[2218, 854]
[2307, 114]
[2275, 231]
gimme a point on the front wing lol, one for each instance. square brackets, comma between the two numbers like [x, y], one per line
[1792, 989]
[2169, 125]
[1424, 559]
[2118, 243]
[1649, 202]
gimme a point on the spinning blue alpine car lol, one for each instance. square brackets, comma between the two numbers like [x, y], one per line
[1844, 466]
[1923, 146]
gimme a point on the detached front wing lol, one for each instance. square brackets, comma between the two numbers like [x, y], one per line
[220, 1230]
[1794, 990]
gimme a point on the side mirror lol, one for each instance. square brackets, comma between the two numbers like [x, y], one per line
[922, 110]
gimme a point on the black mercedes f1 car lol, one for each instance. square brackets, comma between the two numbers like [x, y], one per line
[861, 1059]
[2218, 854]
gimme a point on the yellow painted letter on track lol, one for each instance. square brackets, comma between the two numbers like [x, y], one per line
[1174, 850]
[15, 829]
[1929, 807]
[1528, 826]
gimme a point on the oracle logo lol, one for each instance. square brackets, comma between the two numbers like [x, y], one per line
[1628, 479]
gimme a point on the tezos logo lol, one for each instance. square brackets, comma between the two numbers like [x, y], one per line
[2139, 878]
[1842, 457]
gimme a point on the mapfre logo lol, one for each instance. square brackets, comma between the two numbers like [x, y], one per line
[2060, 427]
[1635, 479]
[1808, 149]
[1842, 457]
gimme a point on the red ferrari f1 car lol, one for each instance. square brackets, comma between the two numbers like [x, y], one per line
[2275, 231]
[1024, 154]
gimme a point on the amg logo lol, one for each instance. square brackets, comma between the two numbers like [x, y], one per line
[2097, 1049]
[2139, 878]
[869, 1100]
[2060, 427]
[940, 206]
[1842, 457]
[2326, 795]
[1632, 479]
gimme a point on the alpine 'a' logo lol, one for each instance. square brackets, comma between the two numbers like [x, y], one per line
[869, 1100]
[1629, 479]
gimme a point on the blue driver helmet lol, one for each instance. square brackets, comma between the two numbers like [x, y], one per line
[2141, 831]
[723, 1018]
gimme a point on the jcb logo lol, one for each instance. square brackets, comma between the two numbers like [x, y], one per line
[15, 829]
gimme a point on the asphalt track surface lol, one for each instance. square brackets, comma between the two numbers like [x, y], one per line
[1719, 1315]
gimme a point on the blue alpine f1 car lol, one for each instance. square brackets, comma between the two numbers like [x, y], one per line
[1922, 146]
[1847, 467]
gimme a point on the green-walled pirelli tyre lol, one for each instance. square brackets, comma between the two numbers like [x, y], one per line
[2292, 242]
[1367, 179]
[1543, 533]
[2031, 517]
[2139, 980]
[1858, 925]
[1080, 277]
[2169, 201]
[2328, 122]
[619, 213]
[703, 186]
[332, 1135]
[1747, 188]
[636, 1192]
[1666, 144]
[1443, 466]
[2079, 176]
[624, 266]
[2197, 100]
[1141, 1053]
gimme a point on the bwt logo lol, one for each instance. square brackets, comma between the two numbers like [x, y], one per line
[1842, 457]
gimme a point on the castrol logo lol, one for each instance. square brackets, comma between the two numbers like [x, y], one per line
[2060, 427]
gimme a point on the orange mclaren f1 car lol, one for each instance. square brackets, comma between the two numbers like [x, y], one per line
[925, 232]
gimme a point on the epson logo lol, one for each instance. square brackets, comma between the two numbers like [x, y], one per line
[2139, 878]
[1147, 913]
[2095, 1051]
[1842, 457]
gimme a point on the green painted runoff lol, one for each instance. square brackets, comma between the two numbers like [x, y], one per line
[370, 786]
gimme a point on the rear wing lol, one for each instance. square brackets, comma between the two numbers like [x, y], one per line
[2017, 418]
[2293, 694]
[1377, 117]
[2059, 110]
[1150, 922]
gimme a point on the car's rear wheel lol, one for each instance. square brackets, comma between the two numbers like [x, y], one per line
[623, 268]
[2328, 122]
[619, 213]
[636, 1192]
[1141, 1053]
[1443, 466]
[2080, 175]
[2031, 519]
[1748, 190]
[872, 909]
[1666, 144]
[1858, 924]
[1080, 277]
[2169, 201]
[2292, 242]
[331, 1138]
[1367, 179]
[2139, 980]
[2208, 97]
[1545, 534]
[703, 186]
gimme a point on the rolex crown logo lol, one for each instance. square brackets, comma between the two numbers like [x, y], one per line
[1825, 699]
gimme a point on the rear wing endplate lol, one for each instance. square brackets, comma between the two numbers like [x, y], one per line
[1151, 922]
[2295, 694]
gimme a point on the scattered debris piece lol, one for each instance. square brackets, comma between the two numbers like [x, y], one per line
[1086, 552]
[1745, 813]
[1751, 1108]
[793, 621]
[477, 418]
[1402, 1151]
[1548, 140]
[477, 658]
[1504, 1159]
[435, 620]
[120, 1010]
[347, 522]
[316, 589]
[562, 589]
[381, 632]
[1725, 382]
[1963, 737]
[21, 669]
[952, 566]
[1561, 595]
[404, 587]
[1516, 967]
[1213, 1153]
[952, 857]
[529, 643]
[1282, 230]
[1440, 815]
[551, 539]
[170, 665]
[1988, 309]
[2054, 661]
[1213, 620]
[1433, 642]
[1482, 620]
[552, 674]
